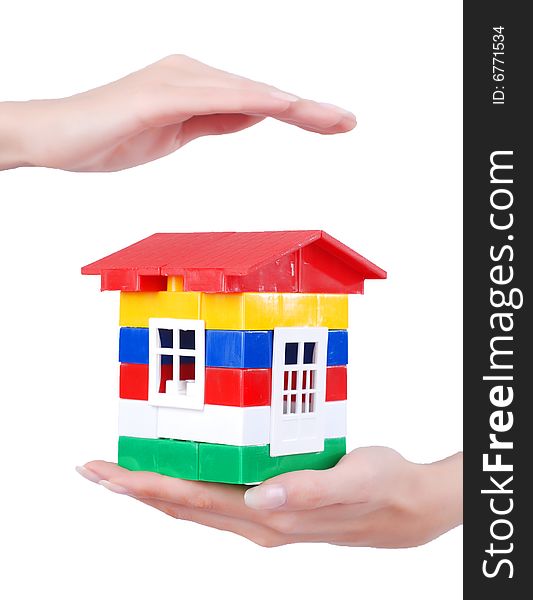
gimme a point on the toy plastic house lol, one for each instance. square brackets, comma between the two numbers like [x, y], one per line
[233, 351]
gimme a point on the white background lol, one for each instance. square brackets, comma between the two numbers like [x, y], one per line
[390, 189]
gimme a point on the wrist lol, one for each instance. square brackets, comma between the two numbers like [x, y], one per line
[14, 135]
[441, 493]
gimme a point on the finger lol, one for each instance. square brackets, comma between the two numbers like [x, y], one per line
[342, 126]
[300, 490]
[221, 123]
[259, 534]
[215, 125]
[286, 528]
[217, 497]
[318, 116]
[167, 104]
[346, 483]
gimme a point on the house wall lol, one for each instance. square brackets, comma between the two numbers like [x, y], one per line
[238, 339]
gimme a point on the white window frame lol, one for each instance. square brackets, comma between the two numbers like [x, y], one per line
[178, 394]
[300, 429]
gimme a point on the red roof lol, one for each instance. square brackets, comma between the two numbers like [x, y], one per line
[265, 261]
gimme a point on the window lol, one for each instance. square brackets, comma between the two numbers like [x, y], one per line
[299, 378]
[298, 389]
[176, 363]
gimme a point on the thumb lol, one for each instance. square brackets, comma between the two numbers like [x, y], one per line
[305, 490]
[199, 126]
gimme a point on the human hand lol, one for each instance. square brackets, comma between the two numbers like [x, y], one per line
[149, 114]
[373, 497]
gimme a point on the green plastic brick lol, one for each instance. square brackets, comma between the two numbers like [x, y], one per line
[176, 458]
[220, 462]
[251, 464]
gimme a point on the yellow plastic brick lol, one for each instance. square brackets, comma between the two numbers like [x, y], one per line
[137, 307]
[223, 311]
[258, 311]
[262, 311]
[175, 283]
[332, 311]
[266, 311]
[255, 311]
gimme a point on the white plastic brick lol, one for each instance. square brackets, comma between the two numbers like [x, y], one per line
[297, 423]
[335, 419]
[136, 418]
[238, 426]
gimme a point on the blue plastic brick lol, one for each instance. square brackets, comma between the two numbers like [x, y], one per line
[238, 349]
[133, 345]
[337, 347]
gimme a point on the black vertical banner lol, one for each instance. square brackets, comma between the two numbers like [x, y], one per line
[498, 269]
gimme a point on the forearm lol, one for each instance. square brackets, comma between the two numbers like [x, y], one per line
[442, 493]
[14, 135]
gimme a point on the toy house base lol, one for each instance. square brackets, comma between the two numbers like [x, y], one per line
[219, 462]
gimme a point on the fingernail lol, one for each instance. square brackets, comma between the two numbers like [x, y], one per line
[90, 475]
[342, 111]
[284, 96]
[113, 487]
[265, 496]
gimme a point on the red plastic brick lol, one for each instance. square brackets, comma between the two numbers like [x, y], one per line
[237, 387]
[336, 383]
[133, 382]
[267, 261]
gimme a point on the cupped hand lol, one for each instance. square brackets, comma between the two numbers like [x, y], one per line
[149, 114]
[373, 497]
